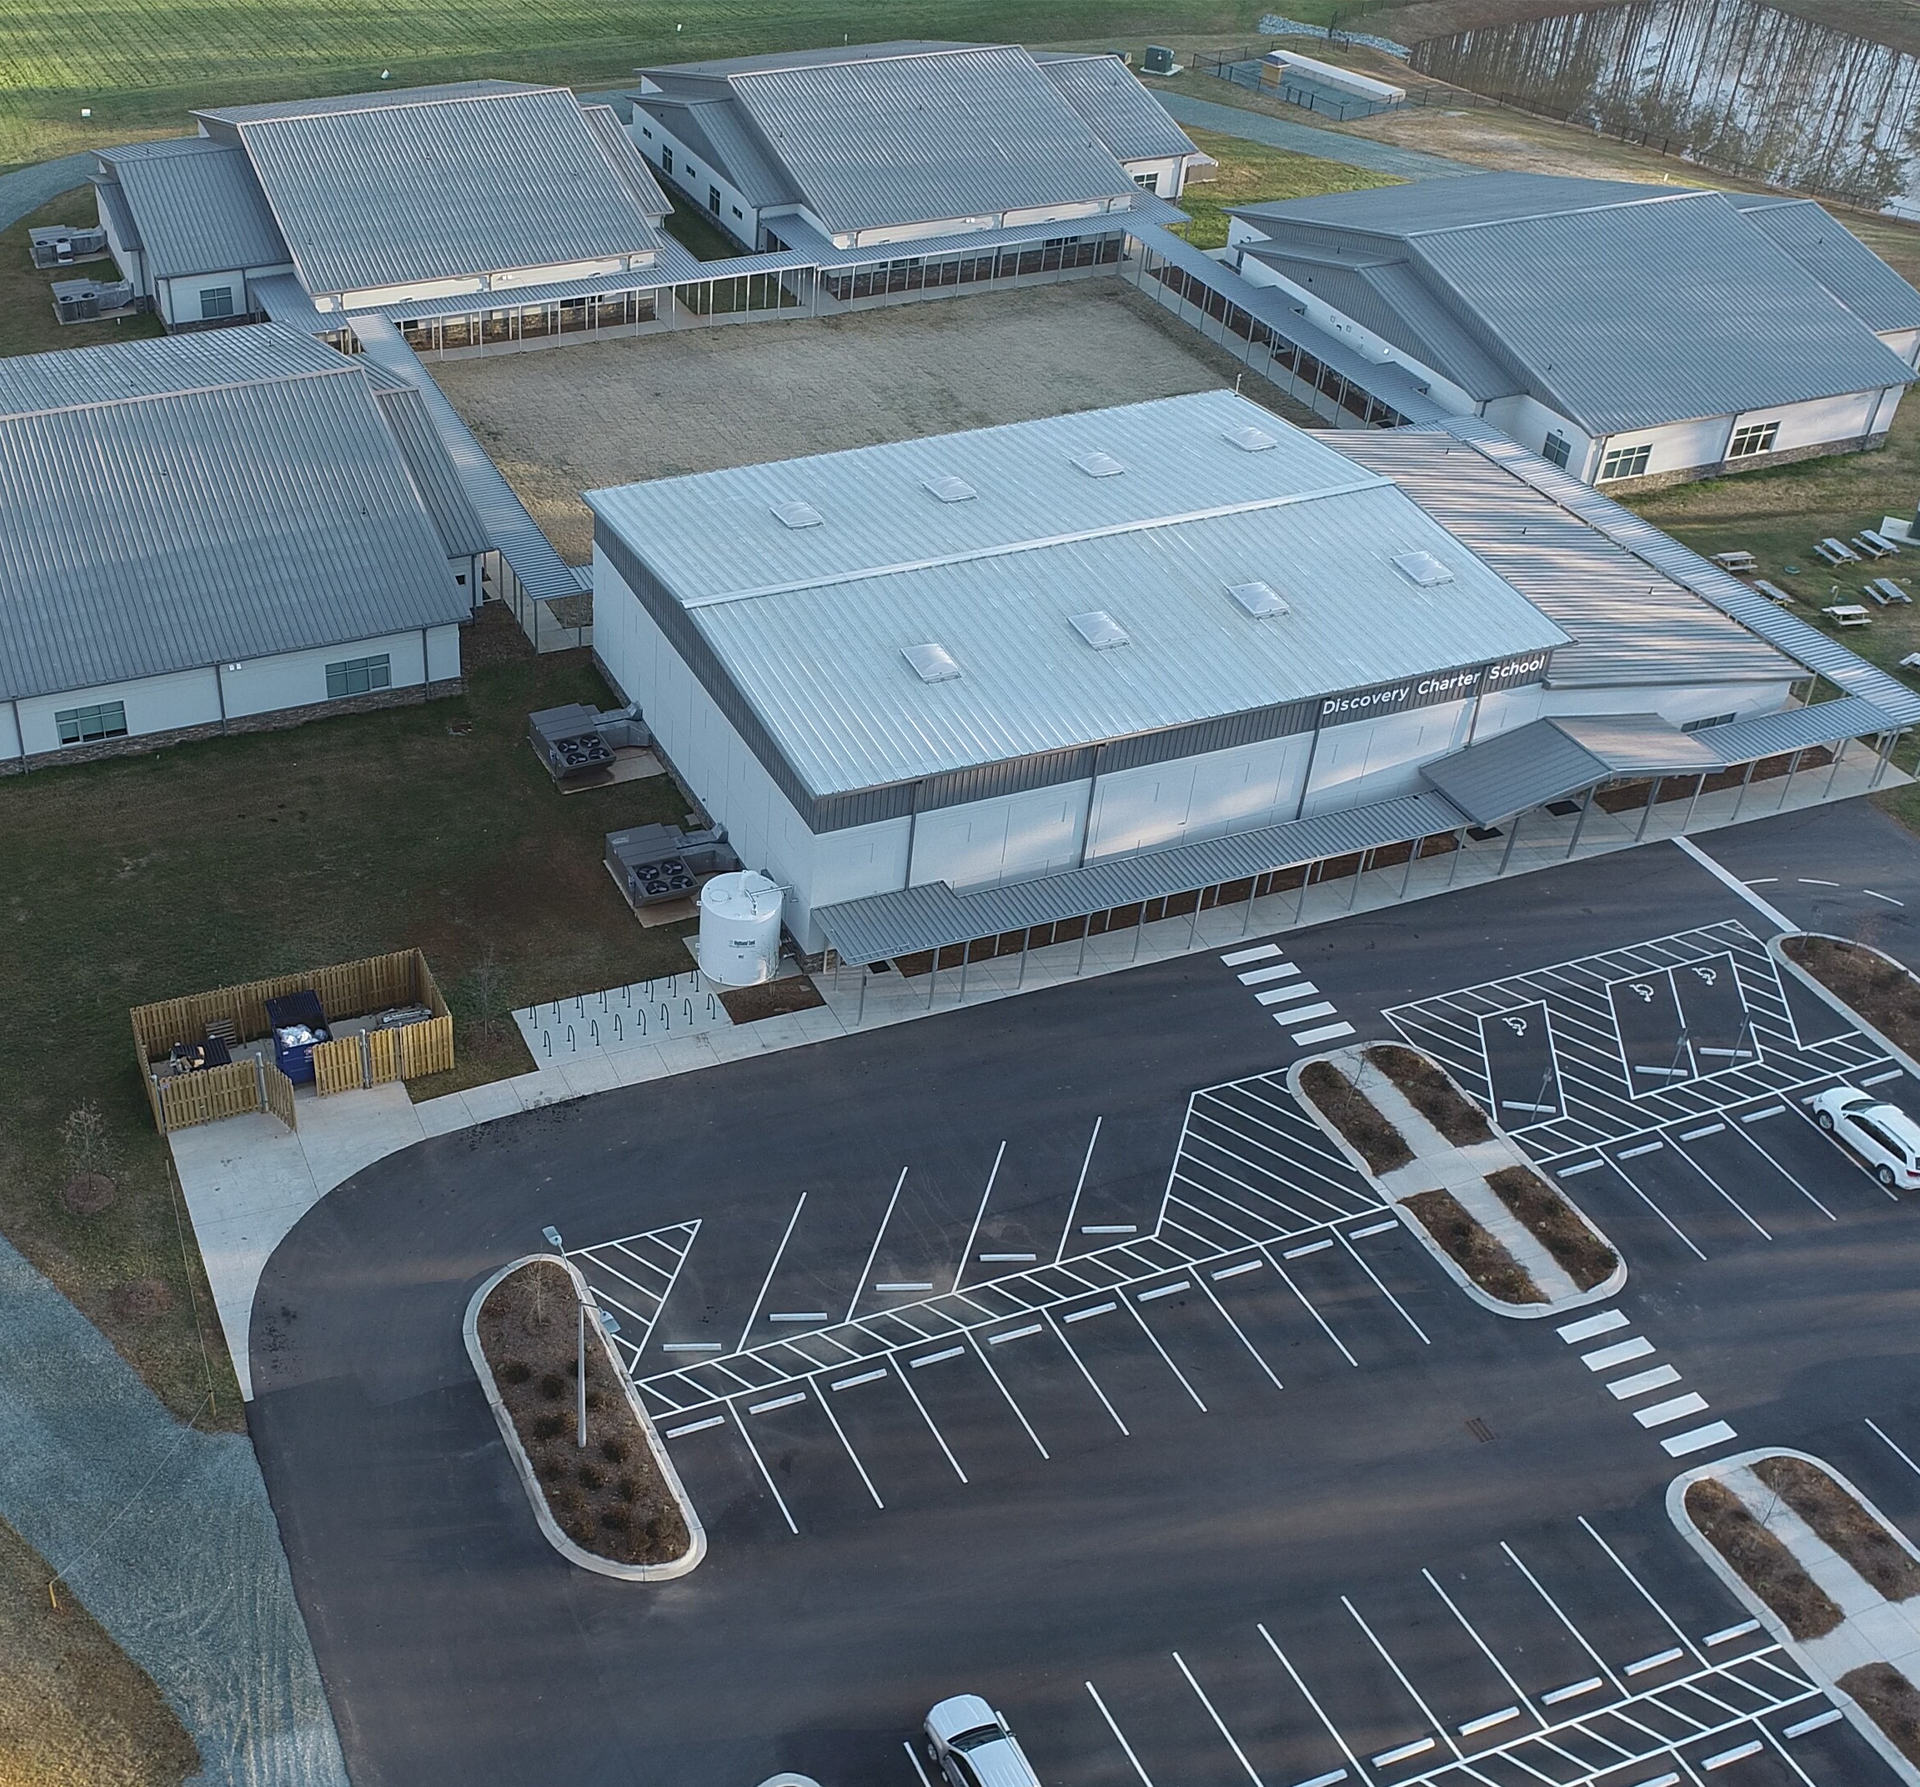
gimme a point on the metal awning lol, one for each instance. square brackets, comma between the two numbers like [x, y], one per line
[932, 915]
[1551, 760]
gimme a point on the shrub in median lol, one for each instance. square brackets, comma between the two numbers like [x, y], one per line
[1760, 1560]
[1550, 1219]
[1472, 1249]
[1350, 1111]
[532, 1354]
[1874, 1553]
[1458, 1119]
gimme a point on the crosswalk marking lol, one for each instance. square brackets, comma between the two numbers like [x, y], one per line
[1626, 1388]
[1590, 1325]
[1698, 1439]
[1326, 1033]
[1294, 989]
[1259, 976]
[1663, 1414]
[1299, 1014]
[1607, 1357]
[1257, 952]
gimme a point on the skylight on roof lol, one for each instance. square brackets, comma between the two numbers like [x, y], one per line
[1098, 465]
[1250, 439]
[951, 490]
[1422, 568]
[931, 662]
[1099, 629]
[1258, 599]
[795, 513]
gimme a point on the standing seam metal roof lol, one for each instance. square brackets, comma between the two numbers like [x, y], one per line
[1127, 119]
[219, 524]
[1539, 265]
[809, 625]
[197, 207]
[714, 129]
[1835, 256]
[400, 188]
[627, 161]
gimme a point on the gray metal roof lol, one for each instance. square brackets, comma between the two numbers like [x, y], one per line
[454, 519]
[393, 188]
[1626, 306]
[627, 161]
[891, 134]
[1552, 759]
[224, 522]
[716, 130]
[197, 207]
[504, 522]
[931, 915]
[1804, 643]
[1630, 623]
[809, 624]
[1132, 124]
[1835, 256]
[126, 371]
[114, 213]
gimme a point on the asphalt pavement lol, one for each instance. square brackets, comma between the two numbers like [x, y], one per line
[1043, 1350]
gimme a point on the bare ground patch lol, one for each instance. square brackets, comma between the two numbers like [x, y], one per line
[1760, 1560]
[589, 415]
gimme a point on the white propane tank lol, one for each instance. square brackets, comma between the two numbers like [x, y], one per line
[740, 929]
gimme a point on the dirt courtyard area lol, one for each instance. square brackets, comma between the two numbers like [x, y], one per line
[559, 421]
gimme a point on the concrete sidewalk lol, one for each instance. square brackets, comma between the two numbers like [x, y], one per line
[166, 1535]
[248, 1181]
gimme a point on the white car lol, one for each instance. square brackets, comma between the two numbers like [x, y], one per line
[1882, 1134]
[970, 1745]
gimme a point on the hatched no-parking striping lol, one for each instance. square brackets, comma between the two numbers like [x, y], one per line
[1265, 1240]
[1673, 1068]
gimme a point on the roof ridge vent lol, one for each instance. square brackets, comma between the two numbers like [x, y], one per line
[931, 662]
[1097, 464]
[1259, 598]
[950, 490]
[1250, 439]
[1099, 629]
[793, 512]
[1422, 568]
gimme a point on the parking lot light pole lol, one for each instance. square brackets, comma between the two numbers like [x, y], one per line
[580, 1358]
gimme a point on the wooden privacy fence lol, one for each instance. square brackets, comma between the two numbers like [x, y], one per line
[238, 1015]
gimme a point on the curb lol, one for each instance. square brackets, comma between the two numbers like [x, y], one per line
[1676, 1498]
[1609, 1287]
[1821, 991]
[549, 1527]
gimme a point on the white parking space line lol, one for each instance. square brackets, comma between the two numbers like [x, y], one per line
[1255, 977]
[674, 1433]
[973, 1233]
[1576, 1689]
[1485, 1649]
[1632, 1185]
[1258, 952]
[1119, 1737]
[1682, 1154]
[1299, 989]
[917, 1769]
[754, 1314]
[873, 1252]
[1641, 1382]
[1232, 1742]
[1663, 1414]
[1240, 1335]
[1766, 1154]
[841, 1432]
[865, 1377]
[1093, 1383]
[1727, 1634]
[1413, 1693]
[1592, 1325]
[1317, 1316]
[1319, 1712]
[1154, 1340]
[1326, 1033]
[939, 1438]
[766, 1476]
[1801, 1727]
[1698, 1440]
[1896, 1450]
[1079, 1185]
[1607, 1357]
[1019, 1413]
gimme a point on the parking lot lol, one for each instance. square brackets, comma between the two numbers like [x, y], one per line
[998, 1358]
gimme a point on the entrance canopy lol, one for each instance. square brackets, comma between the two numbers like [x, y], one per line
[1551, 760]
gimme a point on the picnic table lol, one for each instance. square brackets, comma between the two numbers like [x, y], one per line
[1849, 614]
[1886, 592]
[1836, 551]
[1877, 543]
[1741, 562]
[1773, 592]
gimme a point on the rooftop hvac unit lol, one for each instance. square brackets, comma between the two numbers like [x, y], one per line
[1159, 59]
[60, 245]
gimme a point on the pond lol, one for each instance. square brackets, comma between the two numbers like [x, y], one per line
[1731, 84]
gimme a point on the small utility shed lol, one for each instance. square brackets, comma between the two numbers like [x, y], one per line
[906, 142]
[218, 531]
[1010, 653]
[1630, 334]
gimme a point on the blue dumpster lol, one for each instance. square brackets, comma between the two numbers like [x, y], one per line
[298, 1023]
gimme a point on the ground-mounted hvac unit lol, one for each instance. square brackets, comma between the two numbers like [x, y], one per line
[60, 245]
[652, 864]
[577, 740]
[81, 300]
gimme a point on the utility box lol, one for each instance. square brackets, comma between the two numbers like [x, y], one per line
[1159, 60]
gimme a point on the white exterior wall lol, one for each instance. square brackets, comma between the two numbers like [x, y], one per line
[1189, 799]
[1379, 759]
[1011, 837]
[185, 698]
[1529, 421]
[1168, 171]
[738, 218]
[1676, 705]
[1905, 343]
[178, 298]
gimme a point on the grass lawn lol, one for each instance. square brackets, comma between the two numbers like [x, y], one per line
[139, 65]
[27, 323]
[74, 1710]
[1251, 172]
[223, 861]
[706, 241]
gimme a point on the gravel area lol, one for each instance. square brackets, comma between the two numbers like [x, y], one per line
[581, 417]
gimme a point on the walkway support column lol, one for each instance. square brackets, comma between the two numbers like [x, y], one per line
[1839, 752]
[1026, 937]
[1886, 758]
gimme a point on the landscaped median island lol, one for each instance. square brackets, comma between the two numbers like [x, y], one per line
[1826, 1565]
[1506, 1234]
[1875, 986]
[615, 1505]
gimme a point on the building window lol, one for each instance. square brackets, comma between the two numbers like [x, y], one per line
[666, 158]
[359, 676]
[215, 301]
[1625, 462]
[1712, 720]
[713, 200]
[1558, 449]
[1147, 182]
[1756, 437]
[80, 725]
[645, 132]
[736, 210]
